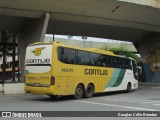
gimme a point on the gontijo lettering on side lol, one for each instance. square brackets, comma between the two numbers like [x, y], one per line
[95, 72]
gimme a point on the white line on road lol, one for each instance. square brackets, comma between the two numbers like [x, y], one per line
[130, 100]
[125, 100]
[136, 108]
[135, 99]
[151, 102]
[156, 104]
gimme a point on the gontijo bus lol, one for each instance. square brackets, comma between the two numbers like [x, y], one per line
[55, 69]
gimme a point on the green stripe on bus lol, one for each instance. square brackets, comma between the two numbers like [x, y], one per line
[120, 78]
[114, 77]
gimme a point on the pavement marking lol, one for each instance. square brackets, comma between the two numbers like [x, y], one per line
[136, 108]
[141, 100]
[135, 99]
[151, 102]
[131, 100]
[156, 104]
[126, 100]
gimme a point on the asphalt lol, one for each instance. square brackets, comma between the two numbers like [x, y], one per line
[146, 98]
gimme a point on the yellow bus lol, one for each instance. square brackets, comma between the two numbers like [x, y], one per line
[56, 69]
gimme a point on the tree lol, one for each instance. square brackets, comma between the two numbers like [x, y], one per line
[123, 51]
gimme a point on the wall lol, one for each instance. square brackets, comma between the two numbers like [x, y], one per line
[1, 88]
[14, 88]
[149, 48]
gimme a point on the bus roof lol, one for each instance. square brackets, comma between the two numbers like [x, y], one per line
[96, 50]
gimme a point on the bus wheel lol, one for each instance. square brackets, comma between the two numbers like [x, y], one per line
[78, 91]
[128, 88]
[89, 91]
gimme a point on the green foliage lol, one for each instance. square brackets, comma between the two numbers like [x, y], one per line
[123, 51]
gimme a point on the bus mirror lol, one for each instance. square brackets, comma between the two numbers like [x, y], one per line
[139, 70]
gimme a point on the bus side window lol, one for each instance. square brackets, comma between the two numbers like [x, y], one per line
[125, 64]
[72, 56]
[95, 58]
[103, 60]
[114, 62]
[63, 54]
[108, 61]
[83, 57]
[121, 61]
[118, 62]
[60, 53]
[128, 64]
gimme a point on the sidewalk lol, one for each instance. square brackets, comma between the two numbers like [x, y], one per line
[149, 84]
[1, 93]
[12, 88]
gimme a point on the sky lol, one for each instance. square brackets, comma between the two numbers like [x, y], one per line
[90, 39]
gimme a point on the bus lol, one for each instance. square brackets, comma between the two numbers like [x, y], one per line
[56, 69]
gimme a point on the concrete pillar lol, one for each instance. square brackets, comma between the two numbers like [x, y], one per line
[33, 30]
[44, 27]
[149, 48]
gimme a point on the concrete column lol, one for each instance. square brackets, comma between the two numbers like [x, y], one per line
[149, 48]
[33, 30]
[44, 27]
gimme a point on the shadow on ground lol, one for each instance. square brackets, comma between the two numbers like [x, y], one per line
[45, 98]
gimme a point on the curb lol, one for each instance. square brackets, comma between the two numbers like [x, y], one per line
[149, 84]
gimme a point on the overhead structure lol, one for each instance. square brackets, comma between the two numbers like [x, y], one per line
[128, 20]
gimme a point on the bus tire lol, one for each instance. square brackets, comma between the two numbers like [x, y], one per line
[79, 92]
[89, 91]
[128, 88]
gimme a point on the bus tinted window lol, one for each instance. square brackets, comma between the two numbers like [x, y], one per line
[80, 57]
[129, 64]
[108, 61]
[121, 63]
[72, 56]
[63, 54]
[103, 60]
[114, 62]
[118, 62]
[95, 59]
[83, 57]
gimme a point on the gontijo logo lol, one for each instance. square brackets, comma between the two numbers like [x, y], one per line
[37, 51]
